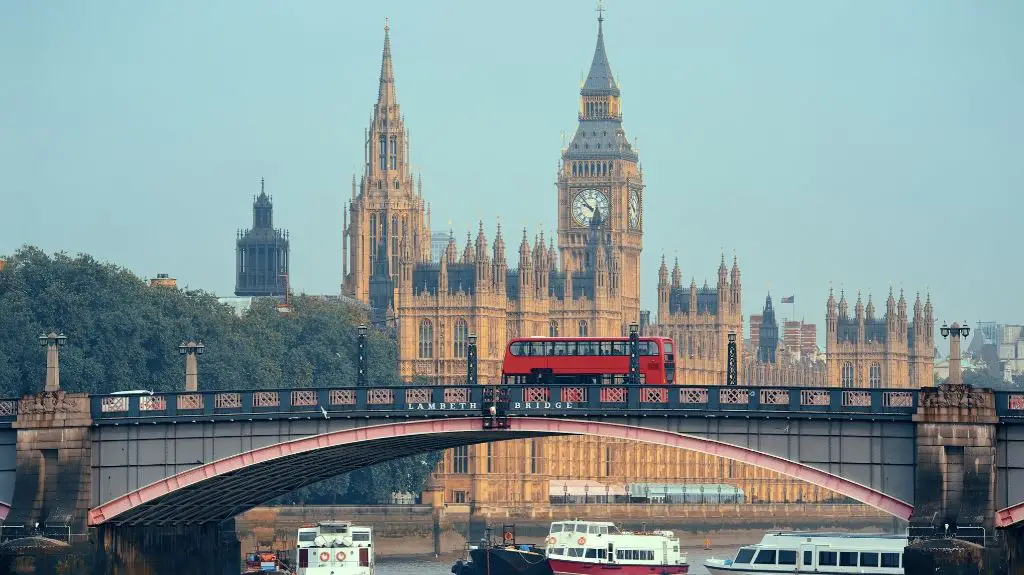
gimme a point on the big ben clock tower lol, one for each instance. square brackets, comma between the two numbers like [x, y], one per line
[600, 181]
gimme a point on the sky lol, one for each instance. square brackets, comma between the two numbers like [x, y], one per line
[859, 145]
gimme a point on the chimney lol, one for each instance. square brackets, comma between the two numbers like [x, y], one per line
[163, 280]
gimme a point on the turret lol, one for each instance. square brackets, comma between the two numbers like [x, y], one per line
[481, 261]
[451, 252]
[467, 253]
[662, 274]
[891, 320]
[831, 315]
[843, 309]
[525, 268]
[929, 321]
[677, 276]
[693, 296]
[499, 263]
[735, 285]
[663, 292]
[870, 310]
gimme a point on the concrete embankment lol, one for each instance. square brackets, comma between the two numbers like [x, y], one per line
[411, 530]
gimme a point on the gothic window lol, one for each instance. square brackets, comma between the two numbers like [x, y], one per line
[583, 328]
[394, 154]
[426, 339]
[553, 329]
[875, 375]
[847, 374]
[460, 459]
[373, 237]
[383, 153]
[394, 243]
[461, 337]
[574, 168]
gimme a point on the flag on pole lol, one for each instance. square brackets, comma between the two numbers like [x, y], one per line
[790, 299]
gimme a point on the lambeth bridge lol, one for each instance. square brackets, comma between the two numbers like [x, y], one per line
[129, 471]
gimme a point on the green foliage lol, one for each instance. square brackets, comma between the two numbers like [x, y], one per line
[123, 334]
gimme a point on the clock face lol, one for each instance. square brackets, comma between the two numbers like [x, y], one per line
[634, 209]
[586, 204]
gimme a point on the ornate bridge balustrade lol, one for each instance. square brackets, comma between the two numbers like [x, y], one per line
[584, 400]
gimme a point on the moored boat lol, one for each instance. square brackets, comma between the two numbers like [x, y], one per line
[822, 553]
[593, 547]
[505, 557]
[265, 562]
[334, 548]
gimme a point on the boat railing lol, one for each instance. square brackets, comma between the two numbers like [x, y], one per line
[972, 534]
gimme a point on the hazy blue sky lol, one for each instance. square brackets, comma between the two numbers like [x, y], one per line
[859, 143]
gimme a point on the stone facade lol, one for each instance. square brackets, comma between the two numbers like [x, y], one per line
[862, 351]
[262, 253]
[584, 282]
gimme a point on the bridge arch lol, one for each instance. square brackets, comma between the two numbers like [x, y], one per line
[224, 488]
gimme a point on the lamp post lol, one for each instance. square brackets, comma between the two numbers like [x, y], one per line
[954, 332]
[471, 362]
[731, 375]
[190, 349]
[52, 342]
[362, 359]
[634, 354]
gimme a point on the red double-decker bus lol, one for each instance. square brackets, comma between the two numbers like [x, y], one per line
[586, 360]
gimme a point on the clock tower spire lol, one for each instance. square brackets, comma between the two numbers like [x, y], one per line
[600, 173]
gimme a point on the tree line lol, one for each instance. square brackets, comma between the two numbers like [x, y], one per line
[123, 334]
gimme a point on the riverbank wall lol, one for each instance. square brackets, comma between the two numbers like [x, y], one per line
[418, 530]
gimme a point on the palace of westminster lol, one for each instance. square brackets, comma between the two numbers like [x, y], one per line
[584, 282]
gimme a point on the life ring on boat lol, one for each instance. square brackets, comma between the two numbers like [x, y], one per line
[552, 539]
[508, 536]
[325, 557]
[340, 556]
[581, 540]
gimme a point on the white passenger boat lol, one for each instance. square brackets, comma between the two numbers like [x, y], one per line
[595, 547]
[334, 548]
[821, 553]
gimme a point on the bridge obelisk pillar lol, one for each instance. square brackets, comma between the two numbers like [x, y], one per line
[52, 488]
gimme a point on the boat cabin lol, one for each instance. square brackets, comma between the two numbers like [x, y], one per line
[817, 552]
[603, 542]
[334, 548]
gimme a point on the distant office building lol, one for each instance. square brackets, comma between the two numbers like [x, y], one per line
[999, 347]
[438, 244]
[755, 331]
[261, 261]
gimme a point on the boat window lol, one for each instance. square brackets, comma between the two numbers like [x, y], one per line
[808, 558]
[848, 558]
[765, 557]
[556, 551]
[556, 528]
[591, 554]
[827, 558]
[744, 556]
[307, 535]
[787, 557]
[890, 559]
[360, 536]
[600, 554]
[613, 529]
[603, 530]
[593, 529]
[575, 552]
[869, 559]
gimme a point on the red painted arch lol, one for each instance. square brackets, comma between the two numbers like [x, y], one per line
[1010, 516]
[520, 426]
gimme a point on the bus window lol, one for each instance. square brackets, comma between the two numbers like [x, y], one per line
[606, 348]
[516, 348]
[560, 348]
[549, 348]
[586, 348]
[620, 348]
[668, 347]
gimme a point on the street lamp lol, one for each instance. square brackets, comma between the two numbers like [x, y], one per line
[471, 361]
[954, 333]
[731, 371]
[52, 341]
[361, 363]
[191, 349]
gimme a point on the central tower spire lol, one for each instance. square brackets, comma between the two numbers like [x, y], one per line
[386, 94]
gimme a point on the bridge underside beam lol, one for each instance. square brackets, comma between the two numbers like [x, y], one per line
[225, 488]
[1010, 516]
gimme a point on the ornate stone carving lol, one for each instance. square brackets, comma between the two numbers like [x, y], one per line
[954, 395]
[49, 402]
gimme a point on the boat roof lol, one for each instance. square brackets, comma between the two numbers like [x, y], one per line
[881, 541]
[584, 521]
[834, 535]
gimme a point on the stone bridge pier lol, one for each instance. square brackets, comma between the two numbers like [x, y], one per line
[203, 549]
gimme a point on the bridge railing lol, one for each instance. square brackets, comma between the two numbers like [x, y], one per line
[8, 410]
[525, 399]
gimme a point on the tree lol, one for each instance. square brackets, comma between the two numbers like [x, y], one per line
[123, 334]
